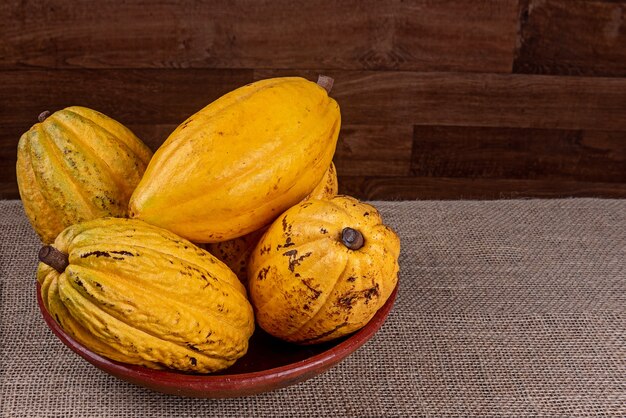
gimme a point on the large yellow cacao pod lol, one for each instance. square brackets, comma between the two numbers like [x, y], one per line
[238, 163]
[235, 252]
[142, 295]
[322, 270]
[77, 165]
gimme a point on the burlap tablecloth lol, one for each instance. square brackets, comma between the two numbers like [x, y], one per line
[505, 308]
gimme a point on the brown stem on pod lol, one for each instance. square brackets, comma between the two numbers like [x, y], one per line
[43, 115]
[325, 82]
[352, 238]
[54, 258]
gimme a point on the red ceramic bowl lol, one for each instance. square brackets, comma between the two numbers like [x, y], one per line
[269, 364]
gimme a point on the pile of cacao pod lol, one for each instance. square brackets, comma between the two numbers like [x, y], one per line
[169, 260]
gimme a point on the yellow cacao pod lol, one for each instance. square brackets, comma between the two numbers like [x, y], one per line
[142, 295]
[238, 163]
[235, 252]
[322, 270]
[77, 165]
[328, 186]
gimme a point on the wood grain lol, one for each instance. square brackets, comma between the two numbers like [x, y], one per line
[514, 100]
[439, 99]
[448, 35]
[412, 188]
[572, 37]
[8, 189]
[512, 153]
[129, 96]
[374, 150]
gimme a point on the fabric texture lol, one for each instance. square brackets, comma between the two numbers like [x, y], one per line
[505, 308]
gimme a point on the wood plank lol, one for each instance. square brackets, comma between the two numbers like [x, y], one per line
[129, 96]
[8, 190]
[374, 150]
[448, 35]
[381, 98]
[573, 37]
[512, 100]
[153, 135]
[513, 153]
[436, 188]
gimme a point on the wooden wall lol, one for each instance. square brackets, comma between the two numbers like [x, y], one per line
[440, 99]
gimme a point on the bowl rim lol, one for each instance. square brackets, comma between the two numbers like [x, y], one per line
[171, 381]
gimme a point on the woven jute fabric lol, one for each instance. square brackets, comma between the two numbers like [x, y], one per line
[505, 308]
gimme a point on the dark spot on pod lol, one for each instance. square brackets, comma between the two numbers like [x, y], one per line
[96, 253]
[351, 279]
[366, 214]
[57, 318]
[371, 292]
[325, 334]
[316, 293]
[263, 273]
[323, 230]
[294, 260]
[193, 361]
[192, 347]
[348, 300]
[122, 252]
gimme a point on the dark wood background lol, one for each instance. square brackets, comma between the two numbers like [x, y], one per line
[440, 99]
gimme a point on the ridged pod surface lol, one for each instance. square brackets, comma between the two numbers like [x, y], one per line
[77, 165]
[322, 270]
[139, 294]
[238, 163]
[236, 252]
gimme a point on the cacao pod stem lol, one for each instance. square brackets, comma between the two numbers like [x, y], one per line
[325, 82]
[54, 258]
[43, 115]
[352, 238]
